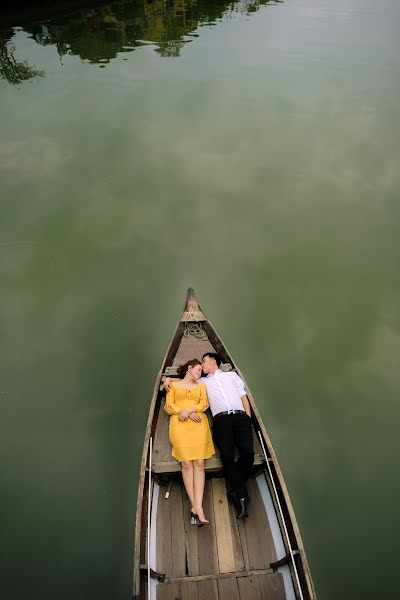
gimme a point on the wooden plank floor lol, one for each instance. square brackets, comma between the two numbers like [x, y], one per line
[191, 347]
[226, 560]
[255, 587]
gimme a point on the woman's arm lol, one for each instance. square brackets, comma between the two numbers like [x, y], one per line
[170, 407]
[173, 409]
[202, 404]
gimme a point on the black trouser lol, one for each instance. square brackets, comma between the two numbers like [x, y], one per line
[230, 431]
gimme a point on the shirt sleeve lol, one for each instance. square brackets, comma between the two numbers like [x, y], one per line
[170, 407]
[239, 384]
[203, 400]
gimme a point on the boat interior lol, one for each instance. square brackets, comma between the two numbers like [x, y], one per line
[229, 559]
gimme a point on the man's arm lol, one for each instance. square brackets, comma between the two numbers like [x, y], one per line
[241, 389]
[246, 405]
[168, 381]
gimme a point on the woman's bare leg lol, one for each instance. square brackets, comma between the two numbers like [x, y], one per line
[188, 480]
[199, 481]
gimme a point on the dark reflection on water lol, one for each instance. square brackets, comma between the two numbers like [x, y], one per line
[99, 34]
[13, 70]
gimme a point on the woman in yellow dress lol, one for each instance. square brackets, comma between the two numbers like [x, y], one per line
[189, 433]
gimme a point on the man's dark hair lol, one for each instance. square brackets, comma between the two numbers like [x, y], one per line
[214, 355]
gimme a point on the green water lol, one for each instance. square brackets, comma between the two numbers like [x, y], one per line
[249, 150]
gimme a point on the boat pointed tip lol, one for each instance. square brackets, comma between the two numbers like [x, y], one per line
[190, 294]
[192, 310]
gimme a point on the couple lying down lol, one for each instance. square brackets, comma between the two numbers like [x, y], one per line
[203, 384]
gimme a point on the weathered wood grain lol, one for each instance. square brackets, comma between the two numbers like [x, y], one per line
[226, 554]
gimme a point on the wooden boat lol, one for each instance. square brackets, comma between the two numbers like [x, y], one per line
[258, 557]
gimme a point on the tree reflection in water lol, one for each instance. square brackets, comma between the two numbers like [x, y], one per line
[13, 71]
[100, 34]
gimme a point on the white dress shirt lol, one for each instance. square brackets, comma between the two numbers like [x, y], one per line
[224, 391]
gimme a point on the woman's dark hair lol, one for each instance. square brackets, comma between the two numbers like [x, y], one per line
[214, 355]
[182, 370]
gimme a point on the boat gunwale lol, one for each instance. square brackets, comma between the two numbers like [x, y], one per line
[142, 472]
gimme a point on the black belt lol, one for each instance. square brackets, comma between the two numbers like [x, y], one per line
[230, 412]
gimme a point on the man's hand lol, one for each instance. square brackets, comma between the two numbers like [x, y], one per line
[168, 382]
[195, 417]
[246, 405]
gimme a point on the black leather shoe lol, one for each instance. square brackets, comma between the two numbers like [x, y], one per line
[240, 505]
[243, 509]
[233, 499]
[244, 503]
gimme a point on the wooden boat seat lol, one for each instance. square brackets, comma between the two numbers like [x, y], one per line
[172, 371]
[163, 462]
[212, 464]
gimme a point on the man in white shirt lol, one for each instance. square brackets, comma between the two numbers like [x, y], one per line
[231, 413]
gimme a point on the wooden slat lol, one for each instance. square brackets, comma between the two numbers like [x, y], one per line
[195, 315]
[260, 543]
[237, 546]
[191, 538]
[272, 586]
[211, 464]
[191, 347]
[223, 531]
[243, 543]
[228, 589]
[253, 587]
[163, 556]
[162, 445]
[173, 371]
[189, 591]
[218, 576]
[207, 544]
[168, 591]
[208, 590]
[178, 549]
[249, 589]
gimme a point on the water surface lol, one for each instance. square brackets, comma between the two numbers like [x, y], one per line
[249, 149]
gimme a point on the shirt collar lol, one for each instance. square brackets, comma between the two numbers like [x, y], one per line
[212, 374]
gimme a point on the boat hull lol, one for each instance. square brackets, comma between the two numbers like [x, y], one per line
[261, 556]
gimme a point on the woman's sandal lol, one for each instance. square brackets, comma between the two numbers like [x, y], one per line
[200, 523]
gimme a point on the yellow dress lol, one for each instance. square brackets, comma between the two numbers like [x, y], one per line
[190, 440]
